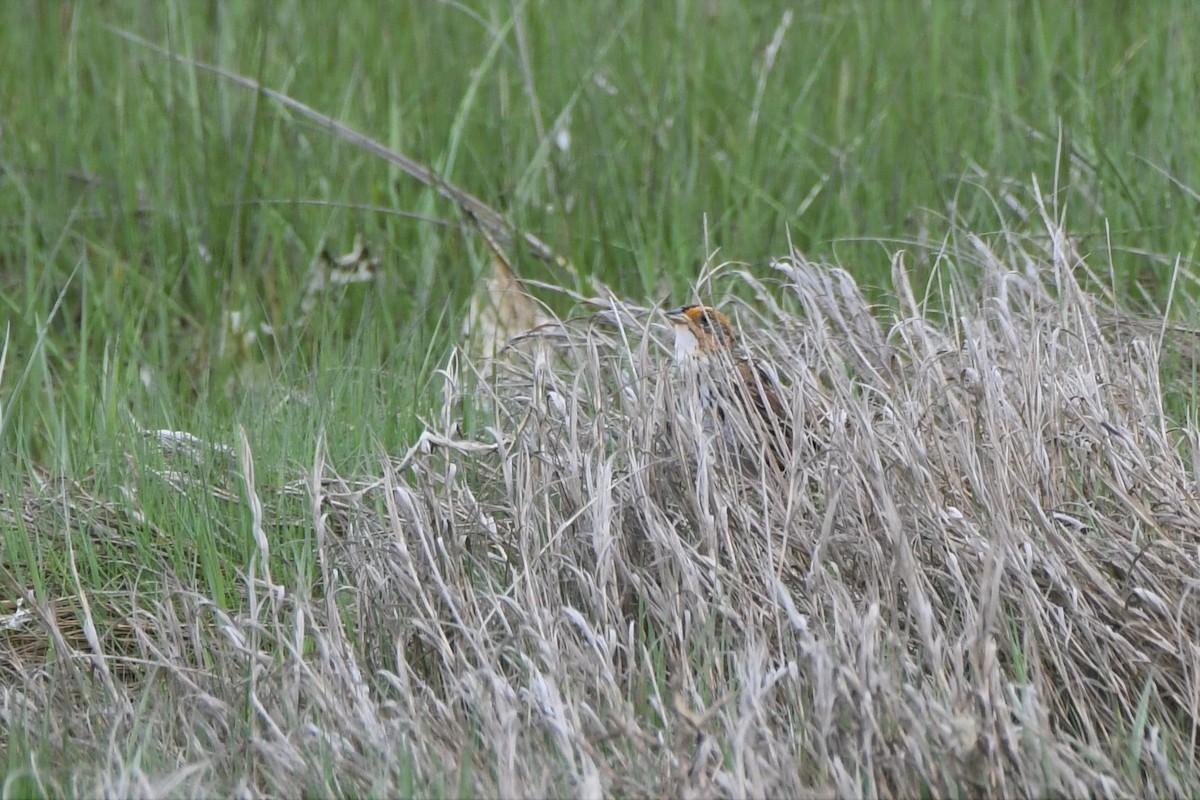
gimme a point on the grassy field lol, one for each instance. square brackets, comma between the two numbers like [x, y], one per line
[476, 617]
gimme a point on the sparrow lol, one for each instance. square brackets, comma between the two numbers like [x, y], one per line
[718, 379]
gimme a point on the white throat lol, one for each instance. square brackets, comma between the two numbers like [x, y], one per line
[687, 346]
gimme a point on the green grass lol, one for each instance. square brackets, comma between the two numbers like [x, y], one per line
[869, 115]
[120, 166]
[142, 203]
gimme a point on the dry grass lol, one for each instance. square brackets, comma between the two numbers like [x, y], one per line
[973, 578]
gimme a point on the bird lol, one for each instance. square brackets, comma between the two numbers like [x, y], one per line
[718, 380]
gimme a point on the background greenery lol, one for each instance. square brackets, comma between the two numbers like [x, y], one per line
[121, 170]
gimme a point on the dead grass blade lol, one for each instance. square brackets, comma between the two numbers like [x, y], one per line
[974, 575]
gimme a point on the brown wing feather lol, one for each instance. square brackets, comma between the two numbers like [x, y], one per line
[765, 399]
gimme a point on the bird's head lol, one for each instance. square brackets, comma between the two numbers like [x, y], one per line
[699, 331]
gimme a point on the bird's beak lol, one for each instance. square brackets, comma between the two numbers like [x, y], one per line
[676, 316]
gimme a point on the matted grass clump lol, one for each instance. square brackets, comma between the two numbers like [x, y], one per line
[973, 576]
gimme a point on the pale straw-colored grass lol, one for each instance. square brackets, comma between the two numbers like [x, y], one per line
[973, 578]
